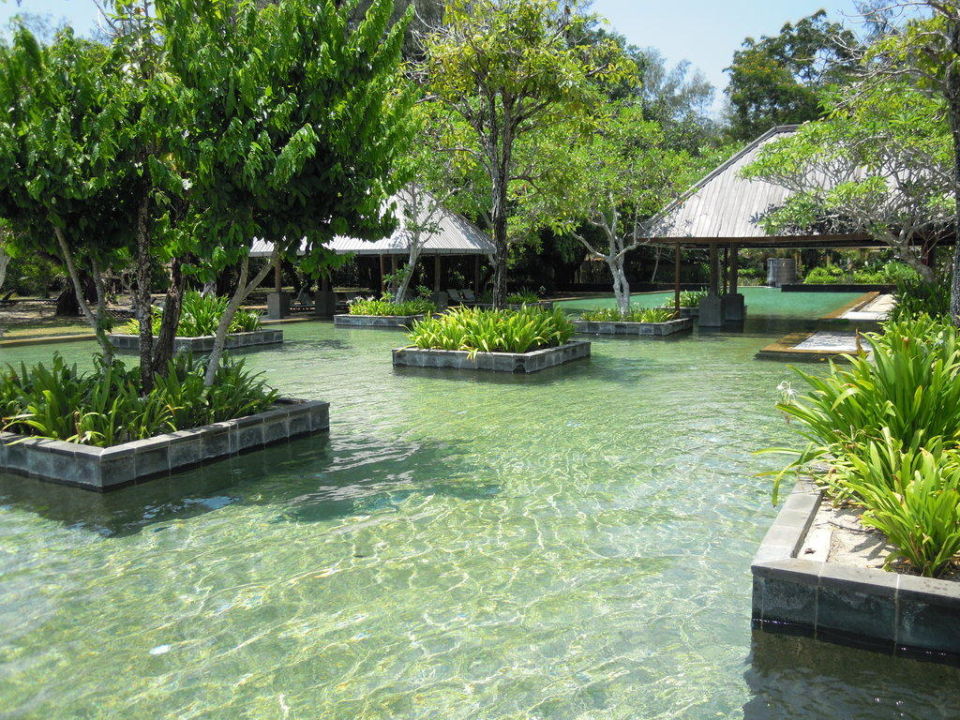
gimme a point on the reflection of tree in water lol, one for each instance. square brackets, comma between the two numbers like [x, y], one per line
[312, 479]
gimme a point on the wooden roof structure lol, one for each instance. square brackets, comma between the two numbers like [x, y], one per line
[726, 209]
[453, 235]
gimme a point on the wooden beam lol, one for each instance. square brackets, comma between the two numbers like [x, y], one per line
[383, 272]
[436, 273]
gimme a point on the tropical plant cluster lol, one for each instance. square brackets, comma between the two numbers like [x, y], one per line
[691, 298]
[919, 297]
[889, 428]
[386, 307]
[888, 274]
[200, 316]
[105, 407]
[482, 330]
[522, 297]
[637, 315]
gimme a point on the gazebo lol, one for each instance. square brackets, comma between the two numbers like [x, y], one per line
[724, 211]
[450, 235]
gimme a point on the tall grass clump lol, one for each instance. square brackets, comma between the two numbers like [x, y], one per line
[385, 307]
[888, 426]
[105, 407]
[638, 315]
[482, 330]
[200, 315]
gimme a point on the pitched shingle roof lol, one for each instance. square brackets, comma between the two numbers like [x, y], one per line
[454, 235]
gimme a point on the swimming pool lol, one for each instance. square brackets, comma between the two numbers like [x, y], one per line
[570, 544]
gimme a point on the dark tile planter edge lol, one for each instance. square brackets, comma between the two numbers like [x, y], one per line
[103, 469]
[862, 607]
[593, 327]
[375, 321]
[528, 362]
[203, 343]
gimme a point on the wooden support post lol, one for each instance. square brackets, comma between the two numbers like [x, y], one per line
[393, 264]
[436, 273]
[714, 270]
[723, 272]
[676, 277]
[734, 269]
[476, 275]
[383, 272]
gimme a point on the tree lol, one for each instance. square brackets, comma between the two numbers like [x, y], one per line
[297, 119]
[778, 80]
[880, 166]
[508, 69]
[608, 181]
[926, 53]
[61, 109]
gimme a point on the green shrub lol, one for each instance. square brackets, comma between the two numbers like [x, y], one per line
[889, 427]
[523, 297]
[104, 407]
[384, 307]
[482, 330]
[912, 496]
[917, 297]
[889, 273]
[691, 298]
[199, 316]
[640, 315]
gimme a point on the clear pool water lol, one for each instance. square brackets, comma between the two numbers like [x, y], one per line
[760, 301]
[573, 544]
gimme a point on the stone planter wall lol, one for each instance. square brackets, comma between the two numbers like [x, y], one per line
[204, 343]
[542, 304]
[670, 327]
[529, 362]
[865, 607]
[375, 321]
[107, 468]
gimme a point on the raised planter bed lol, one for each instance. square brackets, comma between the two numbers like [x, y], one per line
[689, 312]
[797, 589]
[204, 343]
[375, 321]
[107, 468]
[542, 304]
[670, 327]
[528, 362]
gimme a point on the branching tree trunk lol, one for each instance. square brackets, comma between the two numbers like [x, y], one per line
[615, 255]
[243, 289]
[96, 319]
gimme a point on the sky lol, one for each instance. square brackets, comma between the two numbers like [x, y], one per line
[705, 32]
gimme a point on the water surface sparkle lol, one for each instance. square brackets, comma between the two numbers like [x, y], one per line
[573, 544]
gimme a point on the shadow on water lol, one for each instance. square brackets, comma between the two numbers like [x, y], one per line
[804, 679]
[312, 479]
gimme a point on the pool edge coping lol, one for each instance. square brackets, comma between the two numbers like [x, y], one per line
[841, 604]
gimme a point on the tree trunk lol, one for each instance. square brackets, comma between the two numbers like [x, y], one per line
[93, 321]
[412, 259]
[621, 286]
[499, 210]
[4, 262]
[243, 289]
[953, 112]
[143, 307]
[172, 305]
[656, 265]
